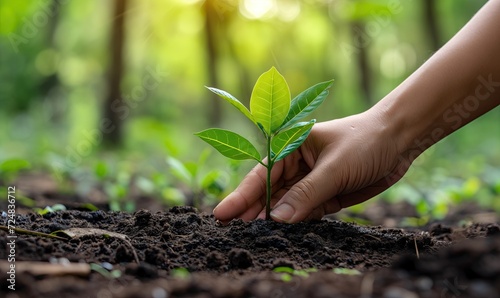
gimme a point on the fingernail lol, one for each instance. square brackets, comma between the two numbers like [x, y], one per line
[283, 212]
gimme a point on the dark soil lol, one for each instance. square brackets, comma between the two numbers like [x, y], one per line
[237, 260]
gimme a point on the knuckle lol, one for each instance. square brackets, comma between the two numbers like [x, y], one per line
[304, 192]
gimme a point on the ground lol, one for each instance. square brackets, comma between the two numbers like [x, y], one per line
[181, 252]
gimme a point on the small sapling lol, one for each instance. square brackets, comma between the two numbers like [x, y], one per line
[277, 117]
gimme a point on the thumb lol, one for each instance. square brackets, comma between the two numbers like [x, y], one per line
[306, 196]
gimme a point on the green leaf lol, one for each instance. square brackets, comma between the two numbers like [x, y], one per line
[204, 155]
[173, 196]
[283, 269]
[229, 144]
[211, 178]
[50, 209]
[287, 141]
[101, 270]
[14, 165]
[306, 102]
[178, 169]
[181, 273]
[270, 100]
[285, 277]
[88, 207]
[232, 100]
[101, 170]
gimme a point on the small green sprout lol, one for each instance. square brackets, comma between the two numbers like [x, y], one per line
[50, 209]
[106, 270]
[276, 116]
[288, 273]
[203, 184]
[180, 272]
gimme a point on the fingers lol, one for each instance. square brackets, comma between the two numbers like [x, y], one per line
[277, 195]
[306, 197]
[246, 201]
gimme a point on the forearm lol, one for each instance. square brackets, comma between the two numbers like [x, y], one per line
[457, 84]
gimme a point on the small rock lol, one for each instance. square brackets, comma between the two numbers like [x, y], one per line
[439, 229]
[214, 260]
[493, 229]
[183, 210]
[240, 258]
[424, 283]
[142, 218]
[106, 265]
[159, 293]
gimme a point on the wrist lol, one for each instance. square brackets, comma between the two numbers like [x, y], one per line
[408, 123]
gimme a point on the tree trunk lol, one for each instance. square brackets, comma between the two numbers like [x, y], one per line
[362, 62]
[51, 82]
[215, 111]
[430, 23]
[113, 102]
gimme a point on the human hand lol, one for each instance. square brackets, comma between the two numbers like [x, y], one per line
[342, 163]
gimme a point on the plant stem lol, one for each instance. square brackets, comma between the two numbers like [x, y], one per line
[268, 181]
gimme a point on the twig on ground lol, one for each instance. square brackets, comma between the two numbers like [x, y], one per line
[416, 247]
[43, 268]
[32, 233]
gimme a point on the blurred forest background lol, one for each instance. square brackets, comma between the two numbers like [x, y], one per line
[107, 94]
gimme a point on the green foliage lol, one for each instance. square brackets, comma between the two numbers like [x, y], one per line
[110, 274]
[287, 141]
[235, 102]
[89, 207]
[288, 273]
[181, 273]
[270, 101]
[20, 198]
[101, 169]
[306, 102]
[230, 144]
[50, 209]
[10, 168]
[200, 182]
[53, 83]
[432, 189]
[117, 192]
[180, 170]
[276, 115]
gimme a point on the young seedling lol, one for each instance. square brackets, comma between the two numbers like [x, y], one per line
[277, 117]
